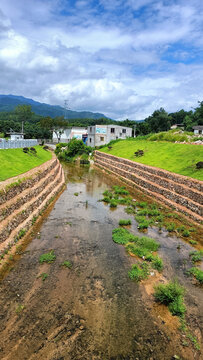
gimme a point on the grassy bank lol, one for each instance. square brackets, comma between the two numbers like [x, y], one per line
[15, 162]
[177, 158]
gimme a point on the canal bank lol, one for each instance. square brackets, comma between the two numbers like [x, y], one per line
[91, 310]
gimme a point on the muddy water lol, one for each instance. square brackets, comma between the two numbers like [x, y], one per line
[92, 311]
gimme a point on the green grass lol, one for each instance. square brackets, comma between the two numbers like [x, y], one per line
[15, 162]
[47, 258]
[177, 158]
[197, 273]
[171, 294]
[67, 264]
[124, 222]
[196, 256]
[139, 272]
[122, 236]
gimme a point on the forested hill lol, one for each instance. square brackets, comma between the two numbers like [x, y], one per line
[9, 102]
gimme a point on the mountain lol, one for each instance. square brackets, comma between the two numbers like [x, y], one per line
[9, 102]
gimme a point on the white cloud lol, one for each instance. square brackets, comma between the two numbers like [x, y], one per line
[106, 58]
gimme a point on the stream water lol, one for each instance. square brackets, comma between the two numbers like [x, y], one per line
[93, 310]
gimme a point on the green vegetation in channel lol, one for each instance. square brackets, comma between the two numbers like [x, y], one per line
[171, 294]
[47, 258]
[15, 162]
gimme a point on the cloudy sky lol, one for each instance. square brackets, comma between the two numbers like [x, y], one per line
[124, 58]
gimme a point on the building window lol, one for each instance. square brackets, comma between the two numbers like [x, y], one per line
[90, 140]
[90, 129]
[124, 131]
[101, 138]
[112, 130]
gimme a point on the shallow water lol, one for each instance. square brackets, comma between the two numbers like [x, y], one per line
[92, 311]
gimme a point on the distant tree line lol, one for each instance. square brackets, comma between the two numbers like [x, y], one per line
[40, 127]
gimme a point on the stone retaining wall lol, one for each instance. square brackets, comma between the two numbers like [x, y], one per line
[182, 193]
[24, 199]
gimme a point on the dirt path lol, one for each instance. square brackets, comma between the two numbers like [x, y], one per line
[91, 311]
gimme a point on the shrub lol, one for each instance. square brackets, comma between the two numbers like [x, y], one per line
[124, 222]
[33, 151]
[26, 150]
[47, 258]
[139, 272]
[171, 294]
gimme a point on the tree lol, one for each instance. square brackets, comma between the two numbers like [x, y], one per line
[56, 125]
[23, 112]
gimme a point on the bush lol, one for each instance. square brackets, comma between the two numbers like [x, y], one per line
[171, 294]
[26, 150]
[33, 151]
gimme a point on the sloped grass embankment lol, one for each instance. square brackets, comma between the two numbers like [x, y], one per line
[178, 158]
[14, 162]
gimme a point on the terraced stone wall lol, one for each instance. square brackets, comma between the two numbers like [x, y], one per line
[177, 191]
[23, 198]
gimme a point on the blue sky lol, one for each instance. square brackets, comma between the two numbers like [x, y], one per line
[122, 58]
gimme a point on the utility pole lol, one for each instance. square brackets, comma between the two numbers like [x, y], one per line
[66, 109]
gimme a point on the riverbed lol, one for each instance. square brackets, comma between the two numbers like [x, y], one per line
[91, 311]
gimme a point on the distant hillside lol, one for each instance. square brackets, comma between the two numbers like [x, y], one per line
[9, 102]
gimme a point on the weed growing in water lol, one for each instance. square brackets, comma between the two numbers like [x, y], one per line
[171, 294]
[170, 227]
[47, 258]
[76, 193]
[123, 222]
[122, 236]
[67, 264]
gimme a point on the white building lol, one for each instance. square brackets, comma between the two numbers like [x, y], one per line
[16, 136]
[70, 133]
[102, 134]
[198, 130]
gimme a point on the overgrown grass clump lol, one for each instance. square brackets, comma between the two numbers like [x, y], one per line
[122, 236]
[196, 256]
[171, 294]
[124, 222]
[143, 247]
[139, 272]
[197, 273]
[47, 258]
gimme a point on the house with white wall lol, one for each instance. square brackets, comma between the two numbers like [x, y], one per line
[198, 130]
[70, 133]
[102, 134]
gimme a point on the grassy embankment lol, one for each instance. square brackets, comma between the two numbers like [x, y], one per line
[14, 162]
[177, 158]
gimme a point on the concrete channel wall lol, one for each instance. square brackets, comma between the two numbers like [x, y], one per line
[23, 198]
[177, 191]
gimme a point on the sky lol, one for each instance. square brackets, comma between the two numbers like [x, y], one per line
[123, 58]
